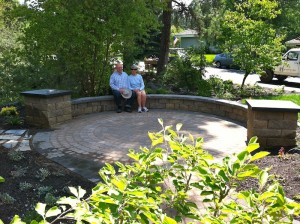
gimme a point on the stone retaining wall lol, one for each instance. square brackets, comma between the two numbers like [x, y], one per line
[228, 109]
[273, 122]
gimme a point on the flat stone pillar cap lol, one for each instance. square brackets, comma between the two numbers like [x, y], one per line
[273, 105]
[46, 93]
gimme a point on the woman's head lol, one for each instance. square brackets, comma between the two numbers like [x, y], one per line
[134, 69]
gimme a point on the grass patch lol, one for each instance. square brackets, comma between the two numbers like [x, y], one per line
[291, 97]
[209, 58]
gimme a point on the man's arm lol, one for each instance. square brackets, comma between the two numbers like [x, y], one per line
[112, 82]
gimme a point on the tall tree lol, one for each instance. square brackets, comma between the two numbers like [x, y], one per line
[249, 35]
[165, 36]
[288, 21]
[70, 42]
[168, 8]
[10, 31]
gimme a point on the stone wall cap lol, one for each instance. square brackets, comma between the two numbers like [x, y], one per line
[273, 105]
[92, 99]
[46, 93]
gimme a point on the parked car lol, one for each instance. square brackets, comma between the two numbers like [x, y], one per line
[223, 60]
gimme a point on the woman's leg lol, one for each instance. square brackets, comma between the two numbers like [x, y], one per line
[139, 98]
[143, 98]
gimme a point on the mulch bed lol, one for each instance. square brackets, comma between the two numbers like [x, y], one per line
[48, 179]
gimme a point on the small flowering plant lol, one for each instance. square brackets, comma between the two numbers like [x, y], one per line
[281, 153]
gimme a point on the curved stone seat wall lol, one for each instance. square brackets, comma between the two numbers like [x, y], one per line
[224, 108]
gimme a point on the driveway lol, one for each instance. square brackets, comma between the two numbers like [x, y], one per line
[290, 84]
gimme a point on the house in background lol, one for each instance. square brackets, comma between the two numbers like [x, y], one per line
[187, 38]
[293, 43]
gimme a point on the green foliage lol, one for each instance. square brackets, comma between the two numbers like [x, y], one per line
[42, 174]
[225, 89]
[70, 44]
[14, 120]
[25, 186]
[161, 178]
[43, 190]
[186, 71]
[18, 171]
[250, 37]
[2, 180]
[6, 199]
[50, 199]
[204, 88]
[209, 58]
[9, 111]
[15, 155]
[11, 115]
[157, 91]
[291, 97]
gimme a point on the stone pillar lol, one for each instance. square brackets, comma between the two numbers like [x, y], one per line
[274, 122]
[47, 107]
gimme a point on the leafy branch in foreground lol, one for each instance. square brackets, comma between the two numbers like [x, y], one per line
[156, 188]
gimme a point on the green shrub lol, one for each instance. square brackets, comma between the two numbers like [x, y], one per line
[6, 199]
[13, 120]
[161, 178]
[43, 190]
[9, 111]
[204, 88]
[19, 171]
[42, 174]
[15, 155]
[24, 186]
[185, 72]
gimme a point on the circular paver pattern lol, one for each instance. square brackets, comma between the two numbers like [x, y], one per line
[85, 143]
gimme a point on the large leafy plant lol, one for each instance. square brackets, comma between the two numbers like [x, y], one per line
[155, 188]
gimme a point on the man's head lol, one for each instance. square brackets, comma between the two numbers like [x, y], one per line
[119, 67]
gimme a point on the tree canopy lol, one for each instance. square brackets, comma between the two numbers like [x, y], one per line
[250, 37]
[70, 43]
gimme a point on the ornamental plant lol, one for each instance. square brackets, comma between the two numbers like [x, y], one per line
[155, 188]
[11, 115]
[9, 111]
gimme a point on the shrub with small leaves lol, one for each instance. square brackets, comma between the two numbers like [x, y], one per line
[9, 111]
[43, 190]
[18, 171]
[15, 155]
[42, 174]
[6, 198]
[24, 186]
[50, 199]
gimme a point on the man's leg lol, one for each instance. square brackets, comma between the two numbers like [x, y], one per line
[118, 100]
[129, 102]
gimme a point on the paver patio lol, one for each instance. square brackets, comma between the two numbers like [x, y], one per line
[85, 143]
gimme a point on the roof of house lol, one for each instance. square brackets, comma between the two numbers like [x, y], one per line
[187, 33]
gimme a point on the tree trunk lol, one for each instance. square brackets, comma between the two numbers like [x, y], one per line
[244, 79]
[165, 38]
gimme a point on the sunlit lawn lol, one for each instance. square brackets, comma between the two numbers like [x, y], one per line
[209, 58]
[292, 97]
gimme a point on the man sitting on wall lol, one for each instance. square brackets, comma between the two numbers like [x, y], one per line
[119, 84]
